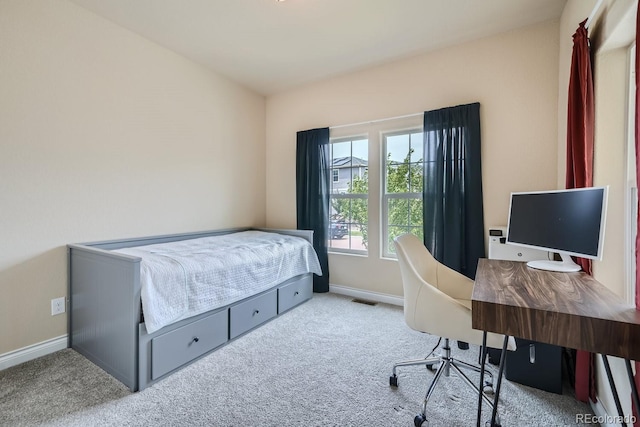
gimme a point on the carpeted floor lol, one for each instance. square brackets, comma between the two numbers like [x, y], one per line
[325, 363]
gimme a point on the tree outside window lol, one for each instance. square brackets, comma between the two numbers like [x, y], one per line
[402, 198]
[349, 197]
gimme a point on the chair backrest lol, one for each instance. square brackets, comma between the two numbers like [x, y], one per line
[437, 298]
[414, 257]
[433, 293]
[418, 269]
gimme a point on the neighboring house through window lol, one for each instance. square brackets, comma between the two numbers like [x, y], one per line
[345, 169]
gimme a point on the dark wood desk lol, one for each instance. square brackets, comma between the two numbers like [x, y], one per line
[568, 309]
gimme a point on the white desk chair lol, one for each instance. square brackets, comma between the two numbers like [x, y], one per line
[437, 300]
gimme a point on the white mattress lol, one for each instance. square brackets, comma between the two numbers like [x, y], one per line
[185, 278]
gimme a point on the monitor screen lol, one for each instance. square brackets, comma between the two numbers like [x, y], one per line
[570, 222]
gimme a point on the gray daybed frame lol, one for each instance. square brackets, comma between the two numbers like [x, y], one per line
[105, 322]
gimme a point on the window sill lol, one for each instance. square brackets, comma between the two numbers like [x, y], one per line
[354, 254]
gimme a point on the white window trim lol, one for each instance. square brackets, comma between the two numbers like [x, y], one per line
[631, 189]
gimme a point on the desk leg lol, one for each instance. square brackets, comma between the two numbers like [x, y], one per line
[483, 358]
[503, 358]
[632, 383]
[614, 390]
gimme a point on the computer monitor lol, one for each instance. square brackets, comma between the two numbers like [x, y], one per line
[569, 222]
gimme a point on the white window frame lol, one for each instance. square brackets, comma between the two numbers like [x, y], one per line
[631, 190]
[336, 175]
[386, 197]
[347, 196]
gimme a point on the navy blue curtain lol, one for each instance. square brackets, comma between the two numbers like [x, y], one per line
[312, 195]
[452, 191]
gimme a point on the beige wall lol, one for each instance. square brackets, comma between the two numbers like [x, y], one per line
[514, 77]
[106, 135]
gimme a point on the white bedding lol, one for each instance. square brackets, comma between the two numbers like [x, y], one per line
[185, 278]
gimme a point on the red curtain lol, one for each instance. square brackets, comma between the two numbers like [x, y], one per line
[580, 129]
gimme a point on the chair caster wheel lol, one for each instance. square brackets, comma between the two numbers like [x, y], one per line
[419, 420]
[393, 381]
[433, 366]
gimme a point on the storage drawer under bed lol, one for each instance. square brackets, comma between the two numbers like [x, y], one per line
[294, 293]
[252, 312]
[175, 348]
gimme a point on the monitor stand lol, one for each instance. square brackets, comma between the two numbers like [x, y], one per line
[565, 266]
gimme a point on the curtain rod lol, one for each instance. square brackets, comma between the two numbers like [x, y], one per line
[376, 121]
[593, 13]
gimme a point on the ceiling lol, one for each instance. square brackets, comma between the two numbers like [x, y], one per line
[272, 46]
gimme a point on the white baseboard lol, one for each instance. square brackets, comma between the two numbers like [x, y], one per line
[31, 352]
[367, 295]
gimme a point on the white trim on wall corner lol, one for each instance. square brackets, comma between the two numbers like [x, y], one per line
[602, 417]
[31, 352]
[367, 295]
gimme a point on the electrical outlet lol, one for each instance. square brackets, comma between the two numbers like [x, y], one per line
[57, 306]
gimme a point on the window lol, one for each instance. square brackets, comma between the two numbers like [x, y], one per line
[403, 163]
[349, 211]
[380, 160]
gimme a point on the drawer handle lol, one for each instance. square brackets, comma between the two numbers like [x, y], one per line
[532, 353]
[296, 293]
[195, 339]
[256, 312]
